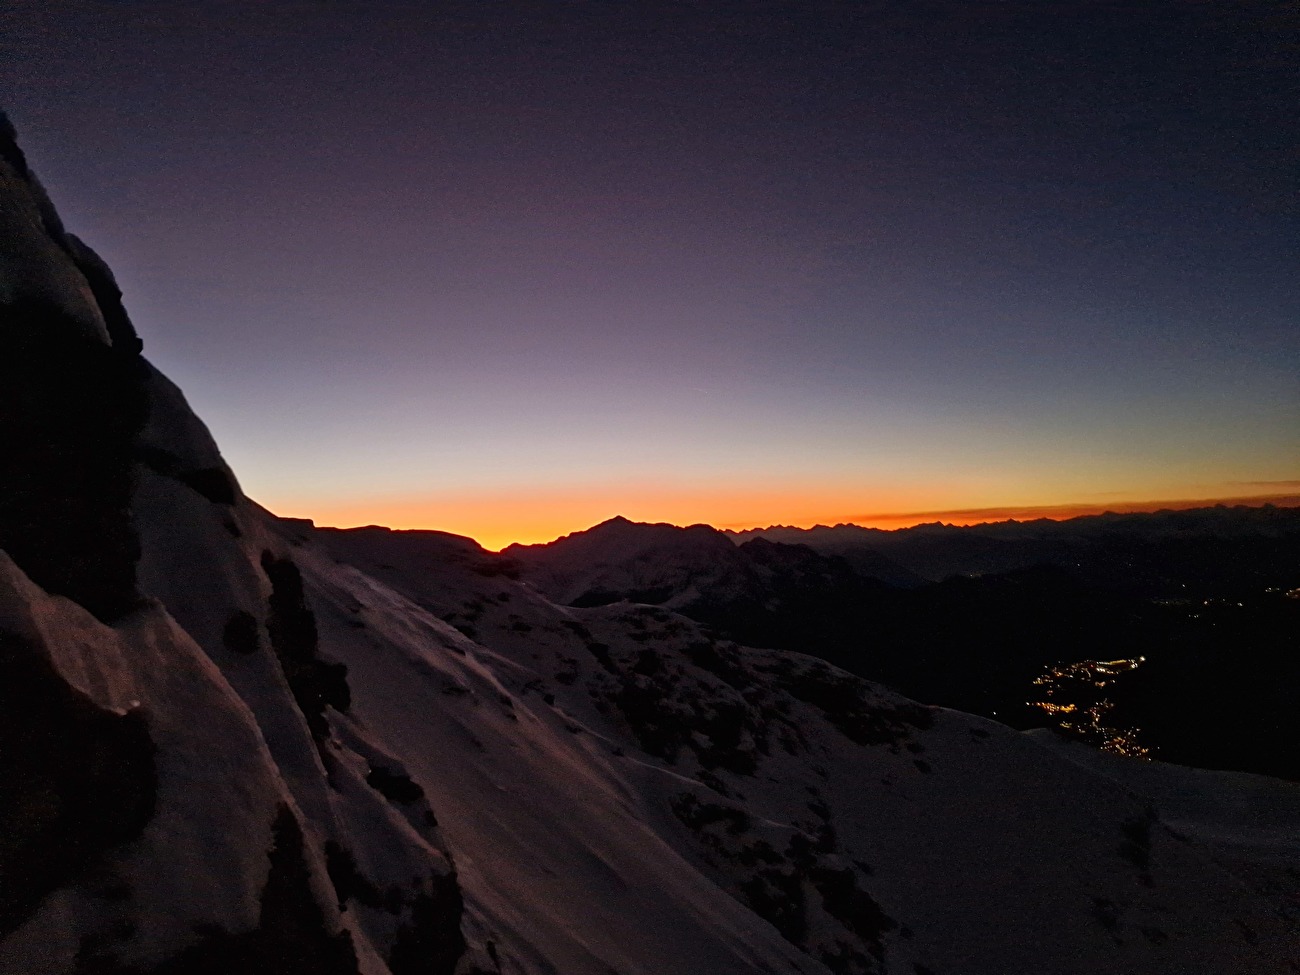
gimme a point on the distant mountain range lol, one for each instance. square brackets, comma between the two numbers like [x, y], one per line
[234, 743]
[970, 617]
[1209, 552]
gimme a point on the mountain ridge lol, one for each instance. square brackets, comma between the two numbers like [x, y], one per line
[981, 621]
[1157, 510]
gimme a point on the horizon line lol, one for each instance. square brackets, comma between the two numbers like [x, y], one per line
[1068, 512]
[901, 521]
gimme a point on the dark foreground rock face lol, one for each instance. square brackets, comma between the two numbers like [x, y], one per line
[76, 779]
[167, 792]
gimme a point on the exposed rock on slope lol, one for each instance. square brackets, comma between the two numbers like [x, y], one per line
[174, 799]
[234, 743]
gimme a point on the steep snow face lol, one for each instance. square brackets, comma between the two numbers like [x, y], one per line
[174, 797]
[38, 260]
[71, 403]
[168, 821]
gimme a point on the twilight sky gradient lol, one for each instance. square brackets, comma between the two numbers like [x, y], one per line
[510, 269]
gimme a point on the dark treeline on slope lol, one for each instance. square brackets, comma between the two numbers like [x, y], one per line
[1201, 595]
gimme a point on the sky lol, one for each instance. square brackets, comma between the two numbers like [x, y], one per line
[510, 269]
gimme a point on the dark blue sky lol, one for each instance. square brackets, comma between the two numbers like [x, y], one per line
[694, 261]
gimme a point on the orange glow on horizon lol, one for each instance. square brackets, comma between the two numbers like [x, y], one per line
[1057, 512]
[499, 518]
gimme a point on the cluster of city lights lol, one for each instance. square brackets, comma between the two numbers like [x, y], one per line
[1078, 683]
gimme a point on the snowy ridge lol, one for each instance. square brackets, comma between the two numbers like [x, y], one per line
[234, 743]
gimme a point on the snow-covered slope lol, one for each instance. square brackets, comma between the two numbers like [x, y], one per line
[943, 841]
[233, 743]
